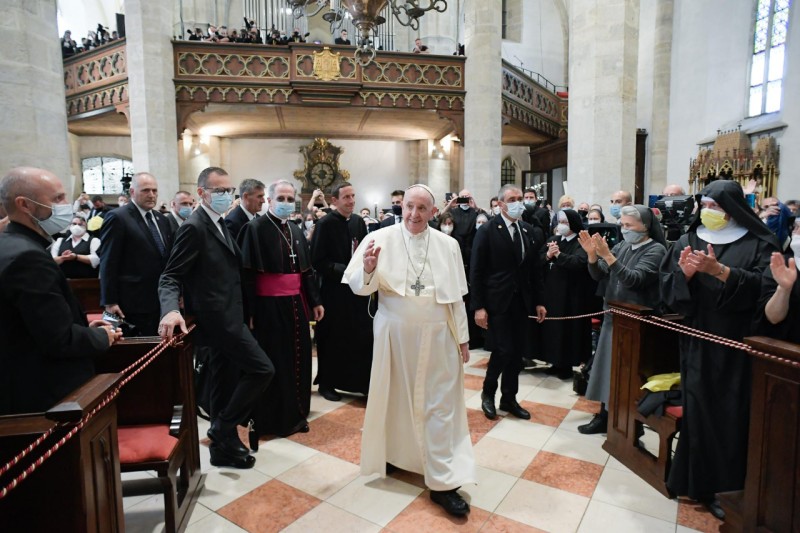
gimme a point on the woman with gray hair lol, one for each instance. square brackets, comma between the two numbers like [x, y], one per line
[631, 270]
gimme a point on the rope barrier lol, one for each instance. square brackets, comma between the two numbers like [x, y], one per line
[143, 362]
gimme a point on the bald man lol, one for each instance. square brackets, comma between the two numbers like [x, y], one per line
[618, 200]
[673, 190]
[135, 244]
[47, 345]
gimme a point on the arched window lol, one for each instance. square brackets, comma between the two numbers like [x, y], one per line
[769, 56]
[103, 175]
[508, 172]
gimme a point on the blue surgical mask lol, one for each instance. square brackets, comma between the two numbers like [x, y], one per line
[615, 209]
[184, 212]
[59, 219]
[529, 202]
[515, 209]
[221, 202]
[632, 236]
[463, 207]
[282, 210]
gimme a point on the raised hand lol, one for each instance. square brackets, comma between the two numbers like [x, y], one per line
[371, 257]
[688, 269]
[586, 242]
[784, 275]
[705, 262]
[601, 245]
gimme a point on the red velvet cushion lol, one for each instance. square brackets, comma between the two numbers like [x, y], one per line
[140, 444]
[94, 316]
[596, 322]
[562, 94]
[675, 410]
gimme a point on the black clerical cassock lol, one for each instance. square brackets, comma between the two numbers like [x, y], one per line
[344, 336]
[280, 291]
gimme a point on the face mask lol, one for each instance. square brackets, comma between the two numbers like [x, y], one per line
[632, 236]
[447, 230]
[562, 229]
[567, 208]
[529, 203]
[220, 202]
[463, 207]
[184, 212]
[478, 225]
[583, 213]
[397, 210]
[795, 245]
[496, 210]
[59, 219]
[309, 223]
[615, 209]
[515, 209]
[712, 219]
[595, 221]
[282, 210]
[77, 231]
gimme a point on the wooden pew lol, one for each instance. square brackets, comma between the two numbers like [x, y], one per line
[770, 501]
[640, 350]
[78, 487]
[87, 291]
[157, 421]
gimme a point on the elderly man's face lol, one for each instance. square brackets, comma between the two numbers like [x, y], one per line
[417, 209]
[145, 193]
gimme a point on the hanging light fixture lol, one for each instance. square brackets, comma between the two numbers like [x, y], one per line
[366, 16]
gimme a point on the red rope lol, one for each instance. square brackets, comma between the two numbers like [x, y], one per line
[143, 361]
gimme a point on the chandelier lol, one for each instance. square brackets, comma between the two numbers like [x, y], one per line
[365, 16]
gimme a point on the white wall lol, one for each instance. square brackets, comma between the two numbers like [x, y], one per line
[376, 167]
[644, 87]
[543, 45]
[80, 16]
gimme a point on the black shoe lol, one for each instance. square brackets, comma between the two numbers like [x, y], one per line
[512, 407]
[330, 394]
[487, 404]
[229, 444]
[598, 424]
[451, 501]
[712, 504]
[565, 374]
[222, 458]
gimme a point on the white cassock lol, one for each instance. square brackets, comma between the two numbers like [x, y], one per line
[416, 418]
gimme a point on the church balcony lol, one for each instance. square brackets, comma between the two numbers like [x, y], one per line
[532, 113]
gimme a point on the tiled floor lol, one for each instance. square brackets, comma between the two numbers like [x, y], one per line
[537, 475]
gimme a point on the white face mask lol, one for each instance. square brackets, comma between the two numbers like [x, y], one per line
[77, 231]
[795, 245]
[562, 229]
[593, 221]
[309, 223]
[447, 230]
[496, 210]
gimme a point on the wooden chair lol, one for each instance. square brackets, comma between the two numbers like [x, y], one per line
[640, 350]
[78, 487]
[158, 426]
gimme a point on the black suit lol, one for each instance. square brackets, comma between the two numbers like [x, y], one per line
[235, 221]
[508, 285]
[99, 212]
[46, 348]
[339, 40]
[130, 264]
[206, 266]
[173, 221]
[389, 220]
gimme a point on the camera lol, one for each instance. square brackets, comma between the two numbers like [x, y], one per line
[611, 232]
[118, 323]
[676, 213]
[462, 200]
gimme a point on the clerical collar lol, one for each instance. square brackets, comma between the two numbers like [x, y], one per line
[276, 218]
[730, 233]
[640, 244]
[568, 237]
[410, 235]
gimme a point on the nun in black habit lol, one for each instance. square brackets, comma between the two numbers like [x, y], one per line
[568, 292]
[713, 278]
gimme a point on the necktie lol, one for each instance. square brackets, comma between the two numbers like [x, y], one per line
[151, 225]
[225, 233]
[517, 243]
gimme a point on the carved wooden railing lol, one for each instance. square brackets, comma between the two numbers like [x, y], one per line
[97, 80]
[533, 105]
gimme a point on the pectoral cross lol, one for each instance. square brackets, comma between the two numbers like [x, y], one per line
[417, 287]
[292, 255]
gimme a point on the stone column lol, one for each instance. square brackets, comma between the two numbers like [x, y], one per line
[32, 105]
[603, 54]
[153, 122]
[482, 121]
[659, 131]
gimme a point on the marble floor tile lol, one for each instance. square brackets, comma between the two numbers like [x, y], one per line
[490, 490]
[350, 415]
[375, 499]
[214, 523]
[223, 485]
[412, 478]
[276, 456]
[503, 456]
[521, 432]
[326, 518]
[546, 508]
[629, 491]
[531, 380]
[501, 524]
[548, 415]
[565, 473]
[321, 406]
[479, 362]
[479, 425]
[695, 516]
[614, 464]
[130, 501]
[577, 446]
[577, 418]
[269, 508]
[199, 512]
[332, 438]
[146, 516]
[321, 475]
[424, 515]
[475, 371]
[473, 382]
[551, 397]
[682, 529]
[601, 516]
[561, 385]
[587, 406]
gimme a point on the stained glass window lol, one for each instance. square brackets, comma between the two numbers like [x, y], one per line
[103, 175]
[769, 59]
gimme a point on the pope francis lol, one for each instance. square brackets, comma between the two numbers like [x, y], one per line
[416, 419]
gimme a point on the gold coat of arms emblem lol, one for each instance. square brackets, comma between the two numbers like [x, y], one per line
[326, 65]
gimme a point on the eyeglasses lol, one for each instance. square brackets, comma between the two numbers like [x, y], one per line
[221, 190]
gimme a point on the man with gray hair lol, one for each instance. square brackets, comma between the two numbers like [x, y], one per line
[280, 287]
[251, 198]
[47, 344]
[135, 243]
